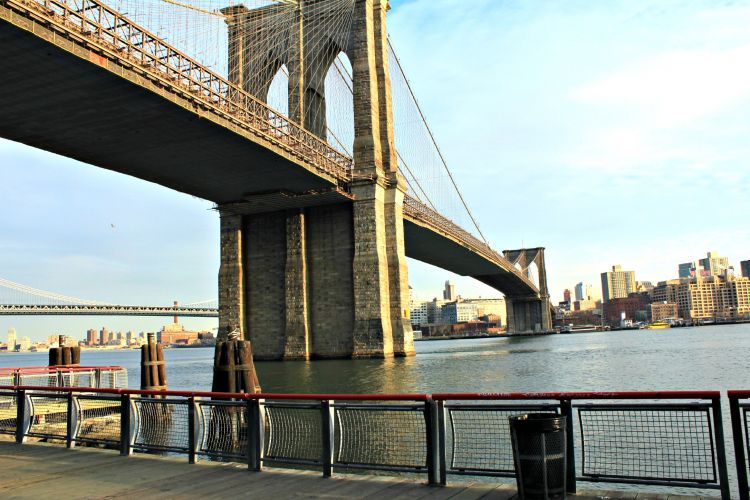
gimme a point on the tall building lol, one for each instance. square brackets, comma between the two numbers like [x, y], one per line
[566, 295]
[584, 291]
[745, 268]
[690, 270]
[12, 339]
[459, 312]
[91, 337]
[714, 264]
[25, 344]
[450, 291]
[103, 336]
[617, 284]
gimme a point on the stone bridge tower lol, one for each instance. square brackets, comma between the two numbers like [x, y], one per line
[529, 314]
[320, 280]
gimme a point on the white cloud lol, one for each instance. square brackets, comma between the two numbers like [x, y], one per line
[674, 88]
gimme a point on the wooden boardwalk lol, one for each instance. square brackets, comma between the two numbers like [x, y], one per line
[51, 471]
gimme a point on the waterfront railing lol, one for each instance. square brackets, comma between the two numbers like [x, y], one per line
[739, 411]
[657, 438]
[109, 377]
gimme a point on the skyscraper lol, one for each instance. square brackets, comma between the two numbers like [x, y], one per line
[91, 337]
[745, 268]
[689, 270]
[566, 295]
[450, 291]
[617, 284]
[103, 336]
[714, 264]
[12, 339]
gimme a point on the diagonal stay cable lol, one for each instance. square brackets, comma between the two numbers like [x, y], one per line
[432, 138]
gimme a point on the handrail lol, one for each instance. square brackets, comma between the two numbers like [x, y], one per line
[579, 395]
[118, 38]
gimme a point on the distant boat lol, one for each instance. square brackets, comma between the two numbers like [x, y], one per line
[658, 325]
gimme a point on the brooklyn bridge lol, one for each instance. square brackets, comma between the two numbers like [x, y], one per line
[296, 119]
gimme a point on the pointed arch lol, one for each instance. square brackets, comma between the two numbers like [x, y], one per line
[339, 112]
[277, 95]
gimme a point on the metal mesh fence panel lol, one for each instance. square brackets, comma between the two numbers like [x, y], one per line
[98, 419]
[746, 425]
[478, 436]
[381, 436]
[293, 433]
[161, 425]
[78, 379]
[49, 416]
[7, 379]
[113, 379]
[8, 413]
[647, 442]
[223, 429]
[38, 379]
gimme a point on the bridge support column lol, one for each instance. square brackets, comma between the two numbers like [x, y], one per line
[297, 341]
[231, 283]
[529, 314]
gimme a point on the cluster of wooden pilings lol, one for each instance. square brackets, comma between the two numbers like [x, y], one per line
[64, 355]
[153, 368]
[234, 370]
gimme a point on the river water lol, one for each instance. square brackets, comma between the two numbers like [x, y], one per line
[714, 357]
[705, 358]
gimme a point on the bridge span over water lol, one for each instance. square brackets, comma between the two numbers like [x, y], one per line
[313, 238]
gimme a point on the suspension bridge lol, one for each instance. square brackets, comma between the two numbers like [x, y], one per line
[21, 300]
[297, 119]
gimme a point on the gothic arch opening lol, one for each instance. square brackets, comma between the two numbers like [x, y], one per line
[278, 91]
[339, 108]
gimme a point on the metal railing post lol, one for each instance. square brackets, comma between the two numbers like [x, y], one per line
[97, 378]
[740, 458]
[254, 435]
[125, 437]
[721, 456]
[22, 417]
[433, 442]
[566, 409]
[327, 435]
[70, 430]
[192, 428]
[441, 443]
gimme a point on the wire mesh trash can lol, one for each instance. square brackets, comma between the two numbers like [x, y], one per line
[539, 455]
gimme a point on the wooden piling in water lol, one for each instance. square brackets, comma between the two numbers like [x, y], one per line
[153, 366]
[63, 355]
[234, 370]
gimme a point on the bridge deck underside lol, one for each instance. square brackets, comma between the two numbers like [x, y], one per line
[57, 101]
[429, 246]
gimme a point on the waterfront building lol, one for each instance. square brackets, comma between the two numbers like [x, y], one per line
[434, 311]
[91, 335]
[700, 298]
[103, 336]
[419, 313]
[643, 286]
[745, 268]
[584, 305]
[634, 307]
[175, 333]
[449, 294]
[487, 307]
[659, 311]
[617, 284]
[459, 312]
[25, 344]
[12, 339]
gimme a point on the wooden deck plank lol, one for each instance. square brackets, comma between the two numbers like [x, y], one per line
[37, 470]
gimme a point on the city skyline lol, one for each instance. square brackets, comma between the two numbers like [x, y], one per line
[87, 232]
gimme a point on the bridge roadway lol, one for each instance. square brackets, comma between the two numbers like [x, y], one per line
[45, 471]
[105, 310]
[106, 92]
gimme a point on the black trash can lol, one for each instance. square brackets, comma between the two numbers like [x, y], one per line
[539, 455]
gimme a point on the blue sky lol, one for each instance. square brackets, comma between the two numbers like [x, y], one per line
[608, 132]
